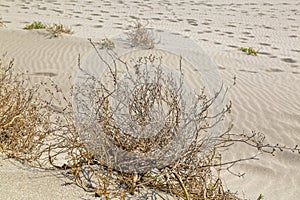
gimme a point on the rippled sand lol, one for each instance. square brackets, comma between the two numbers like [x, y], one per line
[265, 98]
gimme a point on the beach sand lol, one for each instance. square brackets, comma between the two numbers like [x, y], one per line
[265, 98]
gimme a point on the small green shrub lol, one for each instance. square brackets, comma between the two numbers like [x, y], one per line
[106, 44]
[35, 25]
[55, 30]
[249, 51]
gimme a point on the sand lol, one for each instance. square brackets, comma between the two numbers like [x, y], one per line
[265, 98]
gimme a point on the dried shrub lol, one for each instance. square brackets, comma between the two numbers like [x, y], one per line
[193, 175]
[57, 29]
[140, 36]
[22, 118]
[146, 95]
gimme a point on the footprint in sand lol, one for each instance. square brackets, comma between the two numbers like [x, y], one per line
[50, 74]
[288, 60]
[274, 70]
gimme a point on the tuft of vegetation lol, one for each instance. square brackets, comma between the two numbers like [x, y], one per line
[35, 25]
[249, 51]
[57, 29]
[1, 23]
[260, 197]
[140, 36]
[106, 44]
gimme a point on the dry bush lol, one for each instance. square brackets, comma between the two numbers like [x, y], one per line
[141, 111]
[57, 29]
[140, 36]
[36, 124]
[143, 95]
[22, 117]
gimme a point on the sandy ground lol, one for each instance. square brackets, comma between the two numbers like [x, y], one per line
[265, 98]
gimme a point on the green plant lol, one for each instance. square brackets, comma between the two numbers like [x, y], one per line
[260, 197]
[55, 29]
[249, 51]
[106, 44]
[35, 25]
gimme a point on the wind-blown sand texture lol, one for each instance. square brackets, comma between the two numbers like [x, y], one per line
[266, 97]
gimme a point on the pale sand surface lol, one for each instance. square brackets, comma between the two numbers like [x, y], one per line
[266, 97]
[20, 182]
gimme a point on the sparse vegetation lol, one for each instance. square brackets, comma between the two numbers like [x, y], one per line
[249, 51]
[106, 44]
[58, 29]
[41, 129]
[55, 30]
[140, 36]
[35, 25]
[22, 119]
[260, 197]
[1, 23]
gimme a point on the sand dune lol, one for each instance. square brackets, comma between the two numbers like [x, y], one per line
[265, 98]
